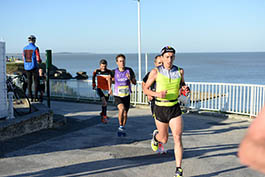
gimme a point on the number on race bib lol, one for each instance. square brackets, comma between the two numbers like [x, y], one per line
[123, 91]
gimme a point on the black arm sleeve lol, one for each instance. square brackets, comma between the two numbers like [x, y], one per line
[131, 73]
[146, 77]
[112, 73]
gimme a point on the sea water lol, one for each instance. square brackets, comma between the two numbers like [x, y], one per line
[245, 67]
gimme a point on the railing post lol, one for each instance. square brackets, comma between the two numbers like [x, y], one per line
[252, 101]
[225, 108]
[139, 89]
[63, 86]
[48, 67]
[263, 93]
[135, 94]
[220, 97]
[146, 63]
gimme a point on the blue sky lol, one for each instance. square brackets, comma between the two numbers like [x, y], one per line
[110, 26]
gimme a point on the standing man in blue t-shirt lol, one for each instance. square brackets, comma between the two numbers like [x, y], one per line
[31, 58]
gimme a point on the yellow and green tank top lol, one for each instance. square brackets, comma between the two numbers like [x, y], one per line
[168, 80]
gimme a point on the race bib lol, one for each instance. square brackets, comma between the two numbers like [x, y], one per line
[123, 91]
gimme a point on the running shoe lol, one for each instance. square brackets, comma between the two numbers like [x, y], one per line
[179, 172]
[121, 131]
[154, 143]
[104, 116]
[103, 120]
[161, 149]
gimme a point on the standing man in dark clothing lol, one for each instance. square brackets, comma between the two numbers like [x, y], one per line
[103, 86]
[31, 58]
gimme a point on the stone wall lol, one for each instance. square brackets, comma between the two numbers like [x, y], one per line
[42, 118]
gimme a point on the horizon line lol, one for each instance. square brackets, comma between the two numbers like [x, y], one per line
[142, 52]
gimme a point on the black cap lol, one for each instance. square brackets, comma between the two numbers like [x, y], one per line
[31, 37]
[167, 49]
[103, 61]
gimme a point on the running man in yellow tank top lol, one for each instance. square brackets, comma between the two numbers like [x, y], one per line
[169, 80]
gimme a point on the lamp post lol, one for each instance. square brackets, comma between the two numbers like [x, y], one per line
[48, 68]
[139, 42]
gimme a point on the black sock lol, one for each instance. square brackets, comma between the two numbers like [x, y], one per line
[104, 110]
[177, 168]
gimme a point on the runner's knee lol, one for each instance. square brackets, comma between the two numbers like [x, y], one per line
[121, 107]
[125, 113]
[104, 102]
[177, 139]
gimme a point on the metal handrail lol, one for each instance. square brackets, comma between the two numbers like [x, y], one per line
[245, 99]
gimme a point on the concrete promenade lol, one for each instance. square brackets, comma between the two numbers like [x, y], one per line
[86, 147]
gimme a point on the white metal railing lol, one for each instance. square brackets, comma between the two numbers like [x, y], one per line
[233, 98]
[243, 99]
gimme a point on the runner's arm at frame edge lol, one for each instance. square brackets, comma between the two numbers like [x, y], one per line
[252, 147]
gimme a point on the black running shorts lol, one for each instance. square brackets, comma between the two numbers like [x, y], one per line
[41, 88]
[101, 94]
[165, 114]
[123, 100]
[152, 105]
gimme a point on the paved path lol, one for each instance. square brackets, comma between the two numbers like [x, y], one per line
[86, 147]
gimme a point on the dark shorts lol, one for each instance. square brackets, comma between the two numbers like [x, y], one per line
[152, 105]
[165, 114]
[42, 88]
[123, 100]
[101, 94]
